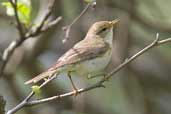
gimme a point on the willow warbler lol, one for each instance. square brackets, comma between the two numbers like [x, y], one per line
[90, 56]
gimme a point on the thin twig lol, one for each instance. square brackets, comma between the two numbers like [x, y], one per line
[26, 100]
[128, 60]
[51, 24]
[25, 103]
[36, 102]
[8, 52]
[45, 27]
[37, 30]
[67, 28]
[23, 36]
[10, 49]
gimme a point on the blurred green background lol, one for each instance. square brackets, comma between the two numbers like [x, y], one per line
[143, 87]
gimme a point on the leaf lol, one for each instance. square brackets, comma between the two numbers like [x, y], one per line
[24, 13]
[36, 89]
[88, 1]
[23, 10]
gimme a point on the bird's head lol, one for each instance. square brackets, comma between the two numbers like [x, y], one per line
[102, 28]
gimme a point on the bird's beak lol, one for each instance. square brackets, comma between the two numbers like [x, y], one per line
[114, 22]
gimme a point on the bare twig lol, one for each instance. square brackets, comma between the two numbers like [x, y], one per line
[68, 27]
[26, 102]
[8, 52]
[38, 29]
[23, 36]
[10, 49]
[51, 24]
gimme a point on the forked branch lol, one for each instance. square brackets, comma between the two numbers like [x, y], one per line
[34, 31]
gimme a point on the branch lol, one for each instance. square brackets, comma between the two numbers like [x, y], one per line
[34, 31]
[67, 28]
[26, 102]
[42, 27]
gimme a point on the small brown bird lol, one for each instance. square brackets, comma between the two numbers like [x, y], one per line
[90, 56]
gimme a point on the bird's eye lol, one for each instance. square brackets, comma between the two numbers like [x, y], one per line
[103, 29]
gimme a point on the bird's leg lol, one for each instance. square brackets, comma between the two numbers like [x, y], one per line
[73, 85]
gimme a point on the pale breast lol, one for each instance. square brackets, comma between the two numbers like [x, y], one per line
[95, 65]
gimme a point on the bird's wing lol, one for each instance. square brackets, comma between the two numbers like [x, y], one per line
[80, 52]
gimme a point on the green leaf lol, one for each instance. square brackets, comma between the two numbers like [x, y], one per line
[24, 13]
[88, 1]
[36, 89]
[23, 10]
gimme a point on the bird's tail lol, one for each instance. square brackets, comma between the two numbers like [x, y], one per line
[41, 76]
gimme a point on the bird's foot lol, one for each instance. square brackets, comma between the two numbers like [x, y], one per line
[75, 92]
[105, 77]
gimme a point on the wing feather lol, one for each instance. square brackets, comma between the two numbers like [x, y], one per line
[84, 50]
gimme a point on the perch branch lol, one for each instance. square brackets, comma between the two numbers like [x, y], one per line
[25, 101]
[100, 83]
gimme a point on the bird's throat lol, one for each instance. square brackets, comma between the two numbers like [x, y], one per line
[109, 38]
